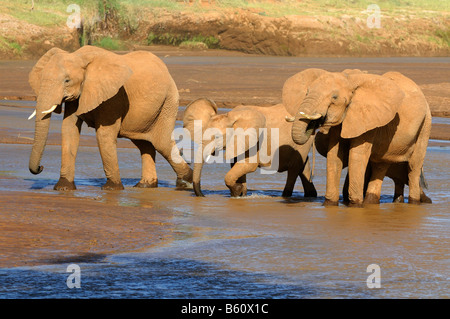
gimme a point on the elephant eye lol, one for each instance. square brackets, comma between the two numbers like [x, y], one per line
[66, 80]
[334, 97]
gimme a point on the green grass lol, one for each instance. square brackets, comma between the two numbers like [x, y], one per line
[109, 44]
[10, 45]
[444, 35]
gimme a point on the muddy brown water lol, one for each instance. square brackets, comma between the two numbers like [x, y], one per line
[260, 246]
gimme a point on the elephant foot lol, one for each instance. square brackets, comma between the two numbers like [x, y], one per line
[425, 199]
[413, 201]
[358, 204]
[111, 186]
[145, 184]
[310, 193]
[238, 190]
[183, 184]
[399, 199]
[64, 185]
[371, 199]
[328, 202]
[286, 194]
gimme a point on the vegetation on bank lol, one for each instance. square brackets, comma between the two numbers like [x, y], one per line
[118, 24]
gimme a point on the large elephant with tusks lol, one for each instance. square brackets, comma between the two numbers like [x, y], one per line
[131, 95]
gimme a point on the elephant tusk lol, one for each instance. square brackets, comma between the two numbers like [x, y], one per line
[310, 117]
[50, 110]
[289, 118]
[32, 115]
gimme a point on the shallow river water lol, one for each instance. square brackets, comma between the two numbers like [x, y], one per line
[259, 246]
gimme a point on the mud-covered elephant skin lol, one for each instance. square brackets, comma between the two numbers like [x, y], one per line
[131, 96]
[291, 157]
[385, 119]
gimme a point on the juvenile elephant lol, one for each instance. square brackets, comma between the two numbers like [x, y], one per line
[131, 95]
[385, 119]
[291, 157]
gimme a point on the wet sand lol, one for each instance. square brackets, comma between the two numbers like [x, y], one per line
[297, 239]
[60, 228]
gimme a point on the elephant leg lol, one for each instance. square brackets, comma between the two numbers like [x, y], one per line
[234, 181]
[334, 167]
[161, 138]
[107, 143]
[70, 139]
[415, 163]
[241, 181]
[373, 192]
[292, 174]
[399, 191]
[360, 151]
[171, 153]
[306, 178]
[414, 184]
[345, 197]
[149, 178]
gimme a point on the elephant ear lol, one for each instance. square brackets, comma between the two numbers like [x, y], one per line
[295, 88]
[375, 103]
[34, 78]
[248, 121]
[198, 110]
[105, 74]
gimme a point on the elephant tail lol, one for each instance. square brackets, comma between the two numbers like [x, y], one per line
[313, 166]
[423, 182]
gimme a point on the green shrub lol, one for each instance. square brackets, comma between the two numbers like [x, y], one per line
[109, 43]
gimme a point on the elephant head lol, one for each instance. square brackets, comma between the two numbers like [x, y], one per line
[360, 102]
[88, 77]
[295, 88]
[212, 134]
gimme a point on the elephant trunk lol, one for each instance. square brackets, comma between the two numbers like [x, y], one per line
[306, 121]
[44, 108]
[301, 131]
[196, 178]
[42, 125]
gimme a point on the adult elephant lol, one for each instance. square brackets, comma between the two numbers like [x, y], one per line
[385, 119]
[131, 95]
[283, 155]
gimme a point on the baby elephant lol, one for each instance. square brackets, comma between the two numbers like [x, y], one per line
[251, 137]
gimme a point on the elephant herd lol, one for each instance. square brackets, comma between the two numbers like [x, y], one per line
[377, 125]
